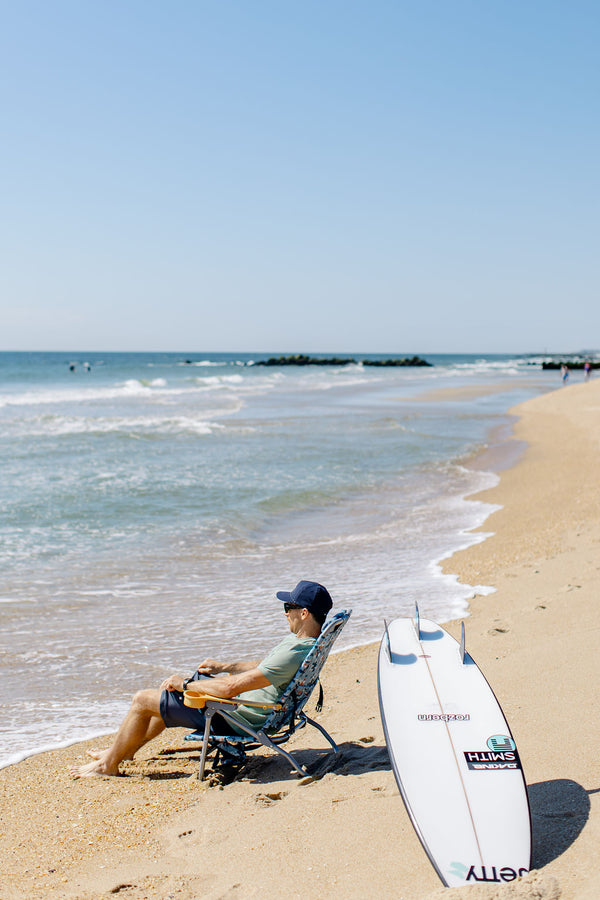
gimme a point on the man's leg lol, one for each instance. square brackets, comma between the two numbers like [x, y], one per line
[142, 723]
[155, 726]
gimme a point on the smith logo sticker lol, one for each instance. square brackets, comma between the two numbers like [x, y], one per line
[500, 742]
[492, 759]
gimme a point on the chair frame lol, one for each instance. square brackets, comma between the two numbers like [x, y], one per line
[286, 715]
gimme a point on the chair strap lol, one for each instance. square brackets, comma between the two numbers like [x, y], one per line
[294, 700]
[319, 705]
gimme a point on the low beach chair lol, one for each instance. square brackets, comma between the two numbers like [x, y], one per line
[287, 714]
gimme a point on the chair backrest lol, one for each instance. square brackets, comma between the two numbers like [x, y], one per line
[302, 684]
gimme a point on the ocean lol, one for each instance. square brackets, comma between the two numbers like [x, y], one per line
[153, 503]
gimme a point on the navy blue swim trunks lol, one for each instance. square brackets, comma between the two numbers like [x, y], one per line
[175, 714]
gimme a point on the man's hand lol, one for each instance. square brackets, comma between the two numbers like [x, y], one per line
[172, 683]
[211, 667]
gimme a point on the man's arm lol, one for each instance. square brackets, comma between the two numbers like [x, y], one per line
[232, 685]
[214, 667]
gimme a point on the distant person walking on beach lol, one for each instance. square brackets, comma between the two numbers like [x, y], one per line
[153, 710]
[564, 373]
[587, 370]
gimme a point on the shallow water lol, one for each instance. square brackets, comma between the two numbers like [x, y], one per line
[151, 507]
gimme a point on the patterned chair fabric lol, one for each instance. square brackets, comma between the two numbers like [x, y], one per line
[304, 681]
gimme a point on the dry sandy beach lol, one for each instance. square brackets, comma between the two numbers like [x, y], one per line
[345, 833]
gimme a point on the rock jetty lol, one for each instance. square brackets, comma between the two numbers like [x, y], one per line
[412, 361]
[570, 363]
[300, 359]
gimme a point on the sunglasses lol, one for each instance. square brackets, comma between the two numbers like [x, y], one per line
[288, 606]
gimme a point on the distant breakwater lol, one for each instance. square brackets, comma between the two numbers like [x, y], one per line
[570, 363]
[300, 359]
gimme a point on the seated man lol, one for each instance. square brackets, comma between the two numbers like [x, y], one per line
[153, 710]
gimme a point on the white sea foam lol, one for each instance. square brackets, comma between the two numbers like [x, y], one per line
[11, 759]
[149, 425]
[132, 387]
[219, 380]
[81, 723]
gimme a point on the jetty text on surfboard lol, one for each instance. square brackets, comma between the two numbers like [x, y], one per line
[505, 873]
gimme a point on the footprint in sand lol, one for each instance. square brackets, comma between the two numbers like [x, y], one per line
[268, 799]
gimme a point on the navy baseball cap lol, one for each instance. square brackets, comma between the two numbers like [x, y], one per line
[309, 595]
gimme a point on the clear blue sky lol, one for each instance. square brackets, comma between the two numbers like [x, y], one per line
[323, 175]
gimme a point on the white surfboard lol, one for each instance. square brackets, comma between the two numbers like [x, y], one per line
[453, 755]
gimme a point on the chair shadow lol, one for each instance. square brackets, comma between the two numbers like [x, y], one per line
[559, 812]
[353, 758]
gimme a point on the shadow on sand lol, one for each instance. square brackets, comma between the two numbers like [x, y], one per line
[559, 809]
[353, 758]
[559, 812]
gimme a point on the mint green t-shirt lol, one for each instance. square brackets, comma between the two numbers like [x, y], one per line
[279, 666]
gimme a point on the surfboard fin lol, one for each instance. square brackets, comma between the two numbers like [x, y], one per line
[417, 622]
[388, 645]
[462, 643]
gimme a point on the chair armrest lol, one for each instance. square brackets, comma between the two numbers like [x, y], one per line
[198, 700]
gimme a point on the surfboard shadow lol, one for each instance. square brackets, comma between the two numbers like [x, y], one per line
[559, 812]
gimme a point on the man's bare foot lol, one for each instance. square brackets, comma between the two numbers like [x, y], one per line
[101, 754]
[95, 754]
[96, 768]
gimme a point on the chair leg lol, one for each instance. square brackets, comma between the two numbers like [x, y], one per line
[209, 715]
[323, 732]
[269, 743]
